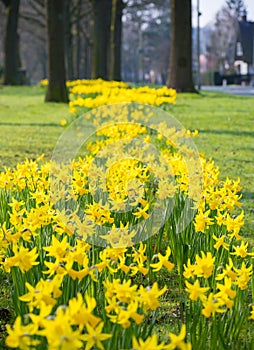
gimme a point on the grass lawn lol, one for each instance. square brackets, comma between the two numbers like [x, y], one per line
[30, 127]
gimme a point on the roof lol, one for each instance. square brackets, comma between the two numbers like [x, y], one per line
[246, 37]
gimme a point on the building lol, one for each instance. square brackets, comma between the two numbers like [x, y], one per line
[244, 58]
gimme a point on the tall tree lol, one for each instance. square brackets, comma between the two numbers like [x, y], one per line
[102, 21]
[116, 40]
[12, 60]
[180, 71]
[68, 37]
[78, 38]
[56, 91]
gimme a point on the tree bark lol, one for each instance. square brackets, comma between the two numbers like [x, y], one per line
[11, 60]
[180, 72]
[102, 20]
[68, 41]
[78, 41]
[116, 40]
[56, 91]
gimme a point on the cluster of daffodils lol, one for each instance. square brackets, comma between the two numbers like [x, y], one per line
[87, 94]
[233, 279]
[90, 242]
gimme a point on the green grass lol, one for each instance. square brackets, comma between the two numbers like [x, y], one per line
[30, 127]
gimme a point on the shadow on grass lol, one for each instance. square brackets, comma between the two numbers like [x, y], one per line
[22, 90]
[228, 132]
[248, 195]
[222, 94]
[31, 124]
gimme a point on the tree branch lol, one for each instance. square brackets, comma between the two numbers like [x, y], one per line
[34, 20]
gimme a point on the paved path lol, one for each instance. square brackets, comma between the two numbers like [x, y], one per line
[235, 90]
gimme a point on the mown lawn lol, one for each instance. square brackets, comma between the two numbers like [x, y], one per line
[30, 127]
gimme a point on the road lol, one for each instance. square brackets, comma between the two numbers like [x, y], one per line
[235, 90]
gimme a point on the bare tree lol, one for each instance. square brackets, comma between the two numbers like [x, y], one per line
[77, 36]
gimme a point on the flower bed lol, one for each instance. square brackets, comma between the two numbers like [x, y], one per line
[96, 245]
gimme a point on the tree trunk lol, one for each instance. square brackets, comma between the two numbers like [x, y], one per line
[11, 61]
[68, 41]
[140, 52]
[78, 41]
[102, 20]
[180, 72]
[57, 91]
[87, 63]
[116, 40]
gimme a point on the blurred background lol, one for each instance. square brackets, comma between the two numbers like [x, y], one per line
[222, 40]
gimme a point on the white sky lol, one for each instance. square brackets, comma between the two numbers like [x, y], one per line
[208, 8]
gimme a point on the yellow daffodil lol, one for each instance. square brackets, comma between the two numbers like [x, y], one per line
[59, 332]
[58, 249]
[151, 343]
[204, 265]
[45, 292]
[220, 242]
[189, 270]
[226, 288]
[142, 212]
[149, 296]
[227, 272]
[80, 312]
[212, 304]
[23, 258]
[195, 290]
[242, 250]
[94, 336]
[177, 341]
[243, 276]
[20, 336]
[163, 261]
[202, 221]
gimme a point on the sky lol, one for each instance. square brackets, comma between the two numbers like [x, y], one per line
[208, 8]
